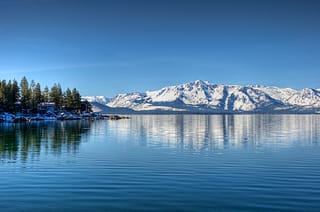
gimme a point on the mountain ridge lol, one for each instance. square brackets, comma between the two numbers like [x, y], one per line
[205, 97]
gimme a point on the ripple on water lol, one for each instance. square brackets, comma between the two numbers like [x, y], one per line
[187, 163]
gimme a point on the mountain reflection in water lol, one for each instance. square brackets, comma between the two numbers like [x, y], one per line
[200, 132]
[162, 163]
[193, 132]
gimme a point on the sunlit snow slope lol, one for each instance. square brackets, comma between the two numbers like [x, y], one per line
[204, 97]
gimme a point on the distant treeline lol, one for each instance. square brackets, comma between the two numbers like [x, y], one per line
[26, 96]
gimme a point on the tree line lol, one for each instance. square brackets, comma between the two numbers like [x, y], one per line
[26, 96]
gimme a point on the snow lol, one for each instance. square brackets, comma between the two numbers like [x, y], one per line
[204, 96]
[99, 99]
[281, 94]
[306, 97]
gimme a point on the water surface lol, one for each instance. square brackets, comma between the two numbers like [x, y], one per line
[165, 162]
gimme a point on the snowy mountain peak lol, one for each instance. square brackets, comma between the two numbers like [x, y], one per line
[203, 97]
[99, 99]
[201, 83]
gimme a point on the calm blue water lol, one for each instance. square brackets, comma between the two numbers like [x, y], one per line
[161, 163]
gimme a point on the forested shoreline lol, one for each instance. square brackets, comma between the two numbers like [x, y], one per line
[27, 96]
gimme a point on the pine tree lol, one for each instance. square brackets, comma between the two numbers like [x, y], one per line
[68, 99]
[9, 93]
[46, 95]
[3, 84]
[36, 96]
[25, 94]
[13, 96]
[30, 96]
[56, 95]
[6, 98]
[9, 101]
[76, 100]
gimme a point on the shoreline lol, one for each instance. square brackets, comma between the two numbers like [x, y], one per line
[6, 117]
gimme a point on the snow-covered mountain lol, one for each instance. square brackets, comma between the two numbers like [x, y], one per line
[204, 97]
[99, 99]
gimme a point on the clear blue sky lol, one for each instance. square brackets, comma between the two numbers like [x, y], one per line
[108, 47]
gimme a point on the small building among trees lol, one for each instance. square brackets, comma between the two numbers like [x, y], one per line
[29, 98]
[46, 107]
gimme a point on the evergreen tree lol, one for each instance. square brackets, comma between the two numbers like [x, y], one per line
[32, 85]
[76, 100]
[36, 96]
[30, 96]
[86, 106]
[68, 99]
[9, 101]
[3, 85]
[46, 95]
[56, 95]
[25, 93]
[8, 95]
[13, 95]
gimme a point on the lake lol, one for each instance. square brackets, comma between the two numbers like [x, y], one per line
[162, 163]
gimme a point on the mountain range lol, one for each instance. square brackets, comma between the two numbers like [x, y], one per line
[204, 97]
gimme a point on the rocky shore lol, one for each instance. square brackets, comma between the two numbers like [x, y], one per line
[61, 116]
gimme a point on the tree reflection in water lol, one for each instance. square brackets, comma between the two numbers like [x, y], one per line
[28, 140]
